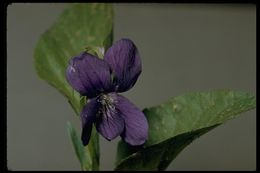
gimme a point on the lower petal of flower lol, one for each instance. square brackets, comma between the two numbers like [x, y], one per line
[88, 116]
[136, 125]
[109, 122]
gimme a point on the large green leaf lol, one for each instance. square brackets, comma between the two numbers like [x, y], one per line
[80, 26]
[176, 123]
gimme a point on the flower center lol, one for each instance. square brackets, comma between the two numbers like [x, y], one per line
[105, 99]
[107, 108]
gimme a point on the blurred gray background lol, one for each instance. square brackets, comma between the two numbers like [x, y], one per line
[183, 47]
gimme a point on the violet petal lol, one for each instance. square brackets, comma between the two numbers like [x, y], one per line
[109, 123]
[88, 115]
[124, 59]
[136, 125]
[89, 75]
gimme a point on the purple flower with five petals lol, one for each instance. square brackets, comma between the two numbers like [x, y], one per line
[101, 80]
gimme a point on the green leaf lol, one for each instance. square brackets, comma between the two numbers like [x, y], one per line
[97, 51]
[80, 26]
[176, 123]
[82, 155]
[109, 40]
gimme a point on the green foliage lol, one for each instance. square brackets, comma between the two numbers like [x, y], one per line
[82, 155]
[80, 26]
[176, 123]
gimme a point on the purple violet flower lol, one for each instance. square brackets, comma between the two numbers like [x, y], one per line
[101, 80]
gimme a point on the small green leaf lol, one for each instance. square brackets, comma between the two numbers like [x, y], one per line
[82, 153]
[97, 51]
[176, 123]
